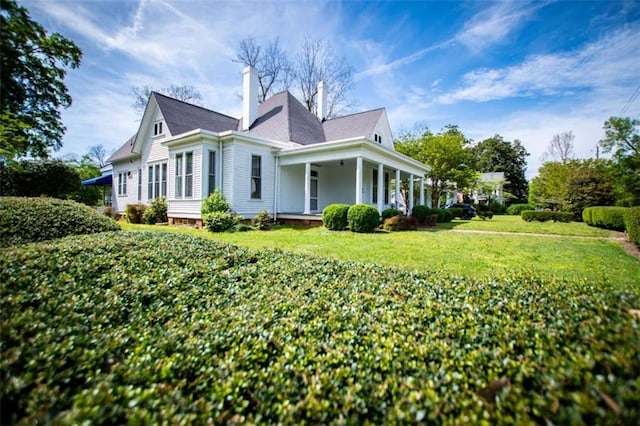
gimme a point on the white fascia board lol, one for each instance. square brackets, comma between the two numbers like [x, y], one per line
[192, 136]
[240, 136]
[145, 124]
[349, 148]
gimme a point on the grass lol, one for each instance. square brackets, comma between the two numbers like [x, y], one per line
[452, 253]
[517, 225]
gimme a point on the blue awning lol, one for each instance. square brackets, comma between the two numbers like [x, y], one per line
[99, 181]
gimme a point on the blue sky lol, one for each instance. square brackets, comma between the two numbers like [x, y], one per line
[525, 70]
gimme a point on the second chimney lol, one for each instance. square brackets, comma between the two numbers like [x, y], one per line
[249, 97]
[322, 102]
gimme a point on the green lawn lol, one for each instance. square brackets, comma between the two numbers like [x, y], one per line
[516, 224]
[452, 253]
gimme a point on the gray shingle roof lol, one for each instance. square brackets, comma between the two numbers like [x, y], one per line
[124, 151]
[282, 117]
[182, 117]
[350, 126]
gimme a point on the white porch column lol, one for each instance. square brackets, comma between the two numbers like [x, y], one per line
[422, 191]
[397, 188]
[307, 188]
[359, 180]
[380, 187]
[410, 193]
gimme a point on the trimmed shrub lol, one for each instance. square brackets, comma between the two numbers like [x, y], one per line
[135, 212]
[605, 217]
[632, 224]
[241, 227]
[400, 223]
[156, 212]
[24, 220]
[517, 209]
[334, 217]
[262, 221]
[456, 212]
[157, 328]
[484, 214]
[220, 221]
[215, 202]
[432, 220]
[421, 212]
[109, 212]
[546, 215]
[363, 218]
[390, 212]
[497, 208]
[444, 215]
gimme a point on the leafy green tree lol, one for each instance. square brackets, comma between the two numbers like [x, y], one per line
[33, 178]
[573, 185]
[498, 155]
[32, 88]
[622, 137]
[446, 154]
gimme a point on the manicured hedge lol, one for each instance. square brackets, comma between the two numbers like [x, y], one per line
[545, 216]
[25, 220]
[632, 224]
[391, 212]
[363, 218]
[421, 213]
[334, 217]
[605, 217]
[456, 212]
[444, 215]
[400, 223]
[517, 209]
[160, 328]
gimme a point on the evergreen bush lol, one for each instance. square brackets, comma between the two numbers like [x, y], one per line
[334, 217]
[363, 218]
[444, 215]
[24, 220]
[262, 221]
[546, 215]
[215, 202]
[421, 212]
[400, 223]
[135, 212]
[632, 224]
[156, 212]
[390, 212]
[607, 217]
[517, 209]
[220, 221]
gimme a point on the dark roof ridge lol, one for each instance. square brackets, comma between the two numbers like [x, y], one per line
[193, 105]
[355, 113]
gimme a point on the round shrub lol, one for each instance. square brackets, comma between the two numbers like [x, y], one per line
[262, 221]
[421, 212]
[219, 221]
[24, 220]
[391, 212]
[215, 202]
[334, 217]
[456, 212]
[363, 218]
[517, 209]
[135, 212]
[156, 212]
[444, 215]
[497, 207]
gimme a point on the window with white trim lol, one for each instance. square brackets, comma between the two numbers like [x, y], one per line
[157, 183]
[157, 128]
[212, 172]
[179, 175]
[256, 177]
[122, 184]
[188, 175]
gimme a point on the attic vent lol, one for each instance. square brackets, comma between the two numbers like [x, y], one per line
[377, 138]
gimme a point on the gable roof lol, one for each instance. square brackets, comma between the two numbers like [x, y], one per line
[124, 151]
[353, 125]
[182, 117]
[282, 117]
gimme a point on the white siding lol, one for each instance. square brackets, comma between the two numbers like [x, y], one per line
[242, 202]
[131, 171]
[291, 192]
[383, 129]
[187, 207]
[228, 151]
[340, 184]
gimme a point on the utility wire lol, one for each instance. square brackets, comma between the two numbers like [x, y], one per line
[631, 99]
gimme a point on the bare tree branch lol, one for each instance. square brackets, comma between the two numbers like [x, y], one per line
[271, 63]
[182, 92]
[560, 147]
[98, 155]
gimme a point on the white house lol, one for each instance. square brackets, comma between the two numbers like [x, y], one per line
[278, 157]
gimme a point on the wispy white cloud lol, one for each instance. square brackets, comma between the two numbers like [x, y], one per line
[611, 60]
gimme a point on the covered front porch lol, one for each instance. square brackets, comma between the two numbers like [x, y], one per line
[349, 172]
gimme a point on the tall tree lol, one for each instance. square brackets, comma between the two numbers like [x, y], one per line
[622, 136]
[181, 92]
[33, 66]
[97, 155]
[447, 155]
[498, 155]
[271, 63]
[560, 147]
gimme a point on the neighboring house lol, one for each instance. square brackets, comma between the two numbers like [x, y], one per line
[278, 157]
[490, 187]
